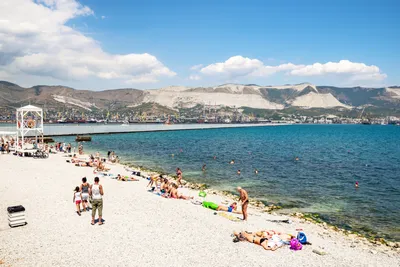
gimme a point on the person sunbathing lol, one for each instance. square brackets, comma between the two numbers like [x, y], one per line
[164, 185]
[101, 167]
[84, 164]
[231, 208]
[174, 193]
[166, 191]
[270, 233]
[126, 178]
[272, 243]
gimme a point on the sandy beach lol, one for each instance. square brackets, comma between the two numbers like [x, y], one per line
[143, 229]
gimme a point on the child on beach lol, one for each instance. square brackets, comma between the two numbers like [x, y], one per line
[77, 199]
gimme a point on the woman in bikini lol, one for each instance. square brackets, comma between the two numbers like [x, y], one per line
[84, 188]
[272, 243]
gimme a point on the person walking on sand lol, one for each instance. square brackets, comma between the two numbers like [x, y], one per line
[96, 192]
[77, 200]
[244, 197]
[85, 194]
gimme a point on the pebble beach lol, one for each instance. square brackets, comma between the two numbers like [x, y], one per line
[143, 229]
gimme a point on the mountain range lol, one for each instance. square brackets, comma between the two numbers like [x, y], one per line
[302, 96]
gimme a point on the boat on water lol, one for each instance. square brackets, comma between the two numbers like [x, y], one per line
[366, 122]
[76, 121]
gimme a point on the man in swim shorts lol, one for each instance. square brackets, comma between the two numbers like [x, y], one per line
[244, 197]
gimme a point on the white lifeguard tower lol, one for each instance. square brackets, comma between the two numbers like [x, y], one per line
[29, 124]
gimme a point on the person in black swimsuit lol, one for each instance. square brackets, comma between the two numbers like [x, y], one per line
[244, 197]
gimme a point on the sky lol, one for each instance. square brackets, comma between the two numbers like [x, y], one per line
[103, 44]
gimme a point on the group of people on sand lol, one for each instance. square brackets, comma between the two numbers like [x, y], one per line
[112, 157]
[87, 194]
[165, 187]
[90, 162]
[93, 194]
[62, 147]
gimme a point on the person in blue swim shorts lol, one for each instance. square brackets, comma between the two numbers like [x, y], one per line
[231, 208]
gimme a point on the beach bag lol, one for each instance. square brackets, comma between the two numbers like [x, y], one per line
[301, 236]
[295, 244]
[202, 194]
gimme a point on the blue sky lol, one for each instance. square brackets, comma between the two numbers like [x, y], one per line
[258, 36]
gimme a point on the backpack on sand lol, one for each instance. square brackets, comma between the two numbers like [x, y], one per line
[295, 244]
[301, 236]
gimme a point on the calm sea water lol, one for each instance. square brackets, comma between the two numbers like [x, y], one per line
[331, 159]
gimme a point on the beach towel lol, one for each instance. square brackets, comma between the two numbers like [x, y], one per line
[210, 205]
[228, 216]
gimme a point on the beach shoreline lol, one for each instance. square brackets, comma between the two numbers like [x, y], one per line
[262, 206]
[45, 186]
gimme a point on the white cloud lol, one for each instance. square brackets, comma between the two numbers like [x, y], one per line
[358, 71]
[194, 77]
[196, 67]
[239, 66]
[103, 17]
[35, 41]
[234, 67]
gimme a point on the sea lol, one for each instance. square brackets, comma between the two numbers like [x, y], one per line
[331, 159]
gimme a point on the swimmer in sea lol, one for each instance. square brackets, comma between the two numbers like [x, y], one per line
[204, 167]
[238, 172]
[215, 157]
[255, 171]
[296, 159]
[232, 162]
[356, 185]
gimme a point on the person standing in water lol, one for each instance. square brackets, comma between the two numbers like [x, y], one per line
[204, 167]
[96, 191]
[244, 197]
